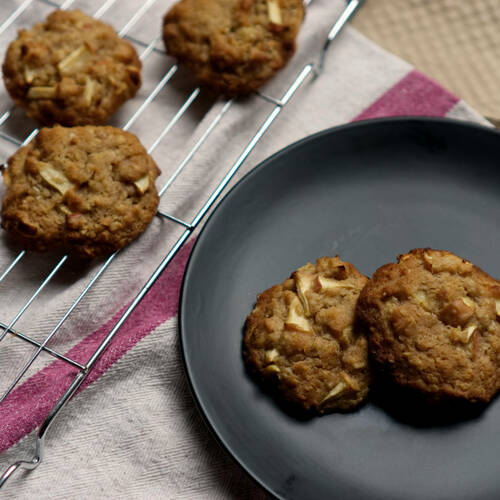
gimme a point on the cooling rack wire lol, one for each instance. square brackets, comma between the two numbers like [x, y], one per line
[308, 72]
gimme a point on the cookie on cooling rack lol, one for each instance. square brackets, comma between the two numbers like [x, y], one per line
[302, 340]
[433, 322]
[71, 69]
[233, 46]
[90, 190]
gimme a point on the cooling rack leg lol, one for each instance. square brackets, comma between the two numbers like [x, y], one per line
[352, 6]
[8, 473]
[19, 465]
[40, 442]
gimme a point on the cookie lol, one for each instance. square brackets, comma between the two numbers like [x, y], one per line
[89, 190]
[301, 338]
[233, 46]
[71, 69]
[433, 321]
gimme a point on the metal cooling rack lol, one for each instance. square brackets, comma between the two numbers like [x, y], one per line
[309, 71]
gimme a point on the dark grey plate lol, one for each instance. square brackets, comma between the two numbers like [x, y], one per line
[367, 192]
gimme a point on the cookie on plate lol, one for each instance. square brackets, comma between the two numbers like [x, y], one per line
[90, 190]
[233, 46]
[301, 338]
[71, 69]
[433, 322]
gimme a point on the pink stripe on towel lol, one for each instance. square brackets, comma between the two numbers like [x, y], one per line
[414, 95]
[28, 405]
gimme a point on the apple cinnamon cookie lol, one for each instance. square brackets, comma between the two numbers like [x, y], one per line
[301, 338]
[89, 190]
[233, 46]
[71, 69]
[433, 322]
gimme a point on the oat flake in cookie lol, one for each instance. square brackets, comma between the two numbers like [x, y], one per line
[300, 338]
[433, 321]
[71, 69]
[89, 190]
[233, 46]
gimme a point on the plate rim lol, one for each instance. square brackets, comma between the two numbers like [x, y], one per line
[187, 368]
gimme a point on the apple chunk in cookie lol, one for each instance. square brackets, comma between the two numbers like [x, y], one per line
[433, 325]
[89, 190]
[301, 339]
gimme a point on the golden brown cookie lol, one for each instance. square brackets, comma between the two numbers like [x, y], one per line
[71, 69]
[433, 321]
[233, 46]
[87, 189]
[301, 338]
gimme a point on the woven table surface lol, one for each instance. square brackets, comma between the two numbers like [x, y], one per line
[456, 42]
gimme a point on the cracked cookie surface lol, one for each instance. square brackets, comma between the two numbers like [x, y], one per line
[233, 46]
[433, 325]
[90, 190]
[301, 338]
[71, 69]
